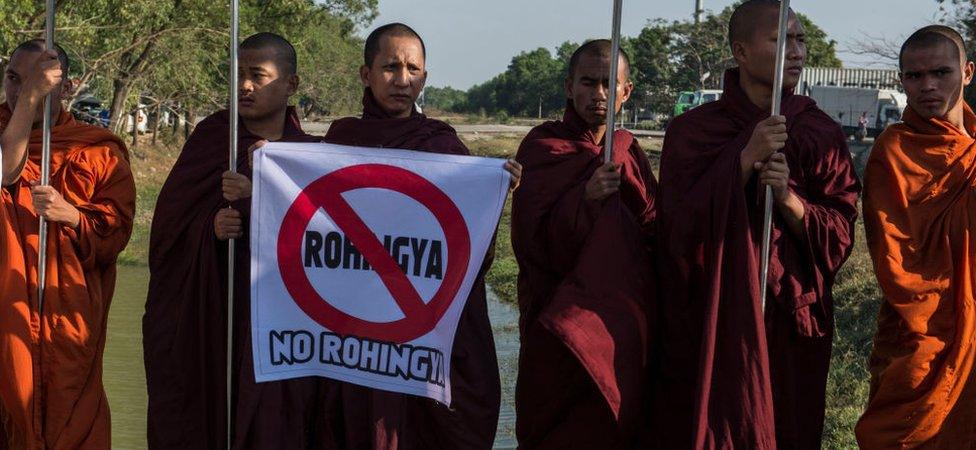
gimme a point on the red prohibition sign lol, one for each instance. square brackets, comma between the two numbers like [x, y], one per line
[326, 192]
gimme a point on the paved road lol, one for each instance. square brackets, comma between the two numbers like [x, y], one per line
[319, 128]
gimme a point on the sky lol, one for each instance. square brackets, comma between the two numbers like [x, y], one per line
[471, 41]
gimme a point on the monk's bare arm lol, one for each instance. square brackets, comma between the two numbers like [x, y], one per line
[16, 136]
[42, 78]
[775, 173]
[792, 211]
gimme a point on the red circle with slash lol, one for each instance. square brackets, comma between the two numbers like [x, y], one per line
[326, 192]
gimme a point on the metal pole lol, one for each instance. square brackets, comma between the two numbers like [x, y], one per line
[232, 106]
[612, 96]
[782, 38]
[45, 165]
[699, 9]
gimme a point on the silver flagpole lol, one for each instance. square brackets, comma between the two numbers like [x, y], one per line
[784, 17]
[45, 165]
[232, 106]
[612, 96]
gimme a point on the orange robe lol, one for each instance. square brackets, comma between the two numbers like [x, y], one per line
[920, 214]
[51, 394]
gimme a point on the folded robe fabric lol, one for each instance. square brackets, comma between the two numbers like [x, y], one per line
[732, 377]
[920, 216]
[185, 324]
[51, 393]
[586, 290]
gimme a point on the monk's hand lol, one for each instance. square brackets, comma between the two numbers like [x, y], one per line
[49, 204]
[604, 182]
[768, 137]
[44, 76]
[253, 148]
[515, 169]
[228, 224]
[775, 173]
[235, 186]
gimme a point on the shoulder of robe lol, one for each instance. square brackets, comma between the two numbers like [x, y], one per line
[209, 129]
[886, 146]
[696, 120]
[215, 120]
[544, 144]
[538, 133]
[97, 144]
[815, 127]
[439, 126]
[340, 123]
[445, 136]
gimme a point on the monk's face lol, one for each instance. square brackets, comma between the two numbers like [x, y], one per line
[21, 67]
[263, 85]
[934, 78]
[590, 86]
[756, 56]
[397, 74]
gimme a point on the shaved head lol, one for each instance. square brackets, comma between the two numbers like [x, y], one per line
[933, 36]
[395, 29]
[38, 45]
[751, 16]
[285, 57]
[599, 48]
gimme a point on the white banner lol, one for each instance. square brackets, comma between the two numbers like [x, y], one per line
[362, 260]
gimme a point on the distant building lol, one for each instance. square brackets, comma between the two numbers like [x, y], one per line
[859, 78]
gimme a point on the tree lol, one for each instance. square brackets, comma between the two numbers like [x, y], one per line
[683, 56]
[445, 99]
[666, 58]
[176, 50]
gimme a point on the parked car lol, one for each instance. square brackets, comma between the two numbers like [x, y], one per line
[691, 99]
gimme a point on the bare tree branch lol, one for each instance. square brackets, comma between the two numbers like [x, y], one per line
[881, 48]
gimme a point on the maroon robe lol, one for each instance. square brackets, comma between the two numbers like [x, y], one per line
[585, 290]
[729, 380]
[364, 418]
[184, 328]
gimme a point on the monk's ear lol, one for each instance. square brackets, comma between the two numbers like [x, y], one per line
[364, 75]
[627, 91]
[568, 87]
[69, 86]
[739, 52]
[423, 80]
[967, 73]
[293, 82]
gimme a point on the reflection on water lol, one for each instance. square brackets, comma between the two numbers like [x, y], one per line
[125, 375]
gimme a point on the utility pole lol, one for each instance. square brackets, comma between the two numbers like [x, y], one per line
[699, 10]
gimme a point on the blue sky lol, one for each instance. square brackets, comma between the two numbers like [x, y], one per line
[470, 41]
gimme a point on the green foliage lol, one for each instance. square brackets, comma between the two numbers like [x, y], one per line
[821, 51]
[175, 52]
[532, 84]
[684, 56]
[445, 99]
[666, 58]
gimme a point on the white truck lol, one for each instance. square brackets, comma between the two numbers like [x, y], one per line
[846, 105]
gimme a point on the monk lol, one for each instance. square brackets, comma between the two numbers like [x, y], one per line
[581, 231]
[200, 207]
[734, 375]
[918, 213]
[51, 393]
[394, 74]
